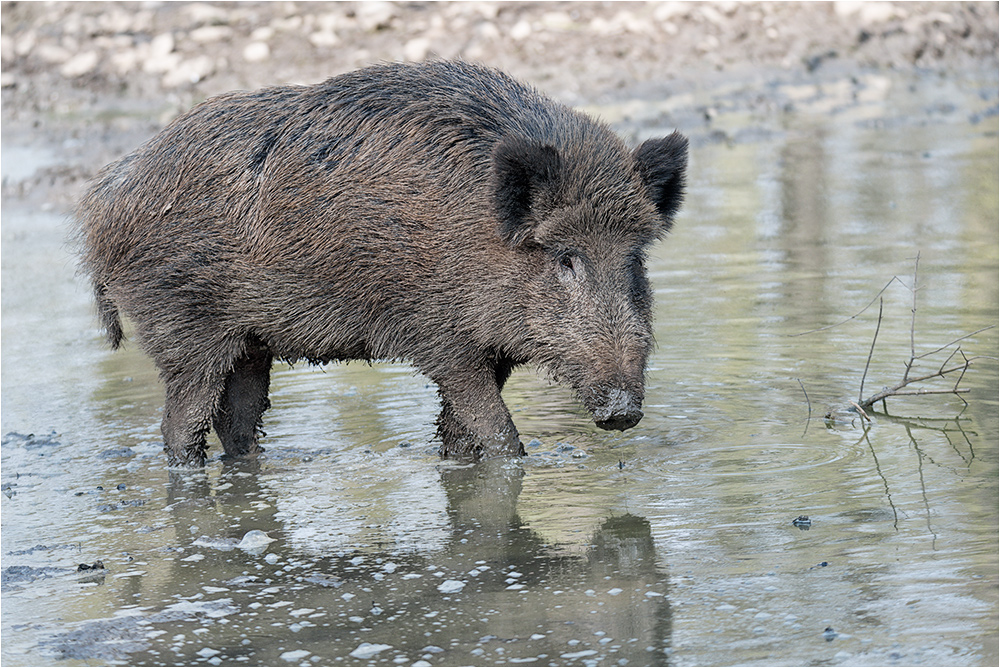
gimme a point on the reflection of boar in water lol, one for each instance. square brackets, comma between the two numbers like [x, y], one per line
[439, 213]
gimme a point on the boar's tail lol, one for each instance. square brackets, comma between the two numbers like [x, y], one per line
[110, 320]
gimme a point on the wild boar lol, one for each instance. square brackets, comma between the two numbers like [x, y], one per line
[439, 213]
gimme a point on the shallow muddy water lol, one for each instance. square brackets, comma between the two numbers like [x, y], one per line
[672, 543]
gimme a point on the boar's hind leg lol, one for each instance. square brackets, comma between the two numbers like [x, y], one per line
[187, 416]
[474, 421]
[237, 418]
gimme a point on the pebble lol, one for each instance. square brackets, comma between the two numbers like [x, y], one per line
[294, 655]
[80, 64]
[367, 650]
[256, 538]
[451, 586]
[578, 655]
[256, 52]
[417, 49]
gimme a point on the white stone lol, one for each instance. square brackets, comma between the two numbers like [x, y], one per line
[254, 538]
[521, 30]
[417, 49]
[256, 52]
[191, 70]
[373, 15]
[295, 655]
[206, 34]
[79, 64]
[367, 650]
[451, 586]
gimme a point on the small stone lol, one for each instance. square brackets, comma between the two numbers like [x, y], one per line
[256, 52]
[417, 49]
[367, 650]
[80, 64]
[254, 538]
[451, 586]
[207, 34]
[295, 655]
[521, 30]
[192, 71]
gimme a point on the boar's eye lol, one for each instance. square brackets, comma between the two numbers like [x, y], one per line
[570, 265]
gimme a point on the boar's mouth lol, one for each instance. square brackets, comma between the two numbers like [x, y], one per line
[618, 410]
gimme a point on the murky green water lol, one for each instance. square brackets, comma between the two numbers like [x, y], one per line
[671, 543]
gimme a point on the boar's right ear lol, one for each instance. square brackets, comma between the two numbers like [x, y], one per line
[662, 164]
[525, 176]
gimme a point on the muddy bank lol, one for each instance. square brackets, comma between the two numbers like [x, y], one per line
[92, 80]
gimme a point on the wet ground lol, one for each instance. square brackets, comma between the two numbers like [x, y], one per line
[676, 542]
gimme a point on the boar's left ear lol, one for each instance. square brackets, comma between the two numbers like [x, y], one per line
[525, 176]
[662, 163]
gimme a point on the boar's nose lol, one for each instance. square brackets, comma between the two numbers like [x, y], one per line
[620, 411]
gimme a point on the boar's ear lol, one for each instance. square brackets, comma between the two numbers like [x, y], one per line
[662, 163]
[525, 176]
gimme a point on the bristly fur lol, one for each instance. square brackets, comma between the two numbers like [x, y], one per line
[440, 213]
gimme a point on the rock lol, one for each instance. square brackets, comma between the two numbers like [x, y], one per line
[256, 52]
[866, 12]
[161, 57]
[125, 61]
[262, 34]
[209, 34]
[189, 71]
[521, 30]
[25, 44]
[294, 655]
[52, 53]
[416, 49]
[367, 650]
[372, 16]
[324, 38]
[451, 586]
[161, 45]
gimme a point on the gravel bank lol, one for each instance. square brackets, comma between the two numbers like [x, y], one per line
[94, 79]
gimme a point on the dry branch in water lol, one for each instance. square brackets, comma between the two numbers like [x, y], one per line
[954, 366]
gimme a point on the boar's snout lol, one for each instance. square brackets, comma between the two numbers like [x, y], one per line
[621, 411]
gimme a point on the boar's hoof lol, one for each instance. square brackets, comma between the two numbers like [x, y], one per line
[621, 411]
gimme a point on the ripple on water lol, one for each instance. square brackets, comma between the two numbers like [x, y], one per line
[752, 459]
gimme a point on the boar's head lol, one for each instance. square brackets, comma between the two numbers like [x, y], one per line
[579, 218]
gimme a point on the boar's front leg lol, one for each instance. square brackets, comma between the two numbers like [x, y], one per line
[237, 418]
[474, 421]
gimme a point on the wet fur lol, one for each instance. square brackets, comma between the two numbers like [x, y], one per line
[442, 214]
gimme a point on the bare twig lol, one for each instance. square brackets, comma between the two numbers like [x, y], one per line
[846, 320]
[809, 406]
[897, 390]
[808, 403]
[913, 320]
[949, 367]
[861, 411]
[953, 342]
[861, 392]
